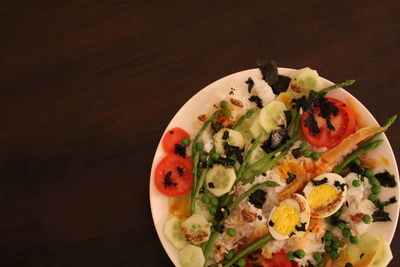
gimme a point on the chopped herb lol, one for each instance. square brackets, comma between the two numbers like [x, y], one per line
[256, 100]
[380, 204]
[180, 150]
[329, 124]
[356, 168]
[167, 180]
[224, 161]
[171, 132]
[386, 179]
[380, 215]
[276, 139]
[301, 228]
[219, 215]
[211, 185]
[320, 182]
[362, 255]
[288, 116]
[296, 153]
[260, 217]
[180, 171]
[251, 257]
[312, 125]
[347, 204]
[269, 71]
[271, 223]
[234, 151]
[339, 185]
[292, 234]
[250, 84]
[291, 177]
[216, 126]
[219, 228]
[258, 198]
[225, 135]
[281, 85]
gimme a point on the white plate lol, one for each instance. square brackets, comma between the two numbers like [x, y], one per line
[201, 103]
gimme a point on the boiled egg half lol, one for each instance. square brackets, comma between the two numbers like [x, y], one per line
[325, 194]
[290, 217]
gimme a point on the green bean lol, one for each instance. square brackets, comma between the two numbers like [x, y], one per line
[247, 158]
[248, 250]
[234, 204]
[343, 84]
[387, 124]
[209, 245]
[243, 118]
[364, 148]
[196, 157]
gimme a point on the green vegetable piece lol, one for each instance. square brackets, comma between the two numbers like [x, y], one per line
[317, 256]
[357, 162]
[335, 244]
[213, 210]
[356, 183]
[229, 255]
[299, 253]
[373, 197]
[354, 239]
[341, 225]
[343, 84]
[215, 156]
[367, 219]
[186, 141]
[338, 213]
[315, 155]
[241, 262]
[328, 249]
[290, 256]
[199, 146]
[328, 243]
[224, 104]
[346, 232]
[303, 145]
[334, 255]
[205, 199]
[328, 236]
[307, 153]
[376, 189]
[203, 158]
[368, 173]
[214, 201]
[373, 181]
[231, 232]
[227, 113]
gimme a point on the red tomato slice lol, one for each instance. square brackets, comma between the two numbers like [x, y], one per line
[173, 137]
[173, 175]
[279, 260]
[344, 123]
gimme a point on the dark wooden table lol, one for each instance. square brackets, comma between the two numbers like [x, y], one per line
[87, 88]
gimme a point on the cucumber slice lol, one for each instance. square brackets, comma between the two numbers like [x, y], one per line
[256, 155]
[196, 229]
[173, 233]
[384, 257]
[220, 179]
[203, 209]
[272, 115]
[244, 129]
[303, 81]
[191, 256]
[235, 139]
[255, 127]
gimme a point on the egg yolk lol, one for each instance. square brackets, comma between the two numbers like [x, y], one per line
[322, 196]
[285, 219]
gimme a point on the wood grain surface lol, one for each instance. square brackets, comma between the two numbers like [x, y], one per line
[87, 88]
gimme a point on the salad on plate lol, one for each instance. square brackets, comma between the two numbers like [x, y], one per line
[278, 173]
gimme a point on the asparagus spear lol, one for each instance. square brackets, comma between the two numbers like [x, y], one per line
[243, 118]
[247, 158]
[343, 84]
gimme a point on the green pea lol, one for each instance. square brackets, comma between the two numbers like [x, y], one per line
[321, 264]
[203, 158]
[328, 236]
[330, 220]
[215, 156]
[335, 244]
[307, 153]
[328, 243]
[376, 189]
[290, 256]
[338, 213]
[346, 232]
[205, 199]
[199, 146]
[368, 173]
[241, 262]
[373, 197]
[357, 162]
[341, 225]
[356, 183]
[231, 232]
[214, 201]
[303, 145]
[317, 256]
[373, 181]
[186, 141]
[299, 253]
[354, 239]
[227, 113]
[315, 155]
[334, 255]
[328, 249]
[367, 219]
[224, 104]
[212, 210]
[229, 255]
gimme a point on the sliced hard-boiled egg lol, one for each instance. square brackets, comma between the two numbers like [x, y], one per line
[325, 194]
[289, 218]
